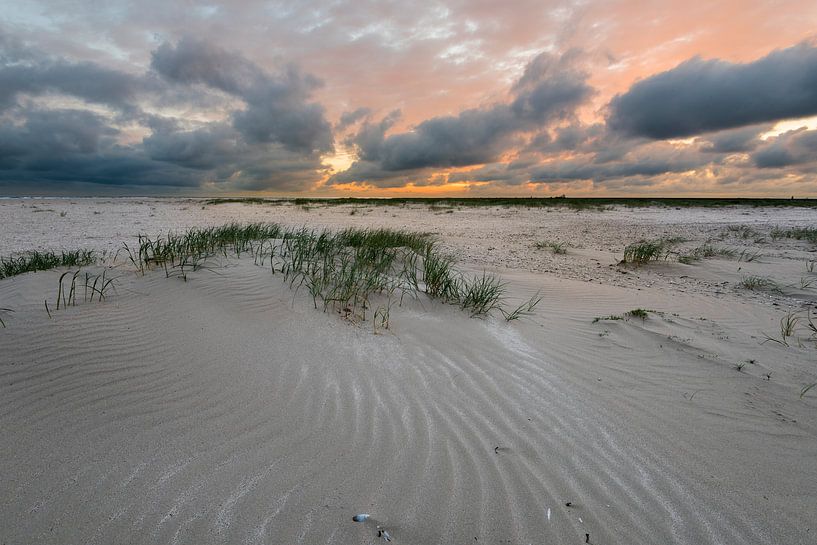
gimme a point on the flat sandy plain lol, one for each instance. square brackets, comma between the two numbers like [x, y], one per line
[226, 409]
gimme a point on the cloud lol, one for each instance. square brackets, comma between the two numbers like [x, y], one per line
[740, 140]
[349, 118]
[77, 146]
[24, 70]
[639, 161]
[549, 90]
[700, 96]
[796, 147]
[274, 142]
[277, 107]
[225, 157]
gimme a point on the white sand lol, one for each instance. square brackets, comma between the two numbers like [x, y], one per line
[223, 410]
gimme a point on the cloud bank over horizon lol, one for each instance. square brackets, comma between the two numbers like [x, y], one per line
[458, 99]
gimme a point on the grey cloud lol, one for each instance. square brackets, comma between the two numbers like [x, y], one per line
[275, 142]
[77, 146]
[550, 89]
[198, 61]
[699, 95]
[646, 161]
[347, 119]
[56, 147]
[277, 109]
[643, 161]
[594, 141]
[739, 140]
[373, 174]
[473, 136]
[203, 149]
[224, 156]
[54, 134]
[370, 139]
[84, 80]
[792, 148]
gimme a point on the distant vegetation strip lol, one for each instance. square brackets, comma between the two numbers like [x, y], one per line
[577, 203]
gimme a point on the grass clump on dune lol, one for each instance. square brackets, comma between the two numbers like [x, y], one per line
[42, 261]
[798, 233]
[3, 310]
[343, 271]
[638, 313]
[645, 251]
[555, 247]
[704, 252]
[756, 283]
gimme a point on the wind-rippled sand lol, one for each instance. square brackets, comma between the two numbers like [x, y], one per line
[225, 409]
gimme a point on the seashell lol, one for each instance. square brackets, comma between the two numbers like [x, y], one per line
[363, 517]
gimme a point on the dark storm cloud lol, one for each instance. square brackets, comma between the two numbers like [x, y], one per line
[23, 70]
[220, 151]
[791, 148]
[550, 89]
[274, 142]
[277, 109]
[53, 134]
[203, 149]
[77, 146]
[699, 95]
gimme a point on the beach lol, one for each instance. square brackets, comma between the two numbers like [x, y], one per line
[223, 407]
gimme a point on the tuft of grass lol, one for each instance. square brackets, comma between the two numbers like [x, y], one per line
[611, 317]
[94, 286]
[481, 295]
[525, 309]
[756, 283]
[645, 251]
[638, 313]
[808, 234]
[742, 231]
[705, 251]
[555, 247]
[748, 256]
[43, 261]
[3, 310]
[788, 326]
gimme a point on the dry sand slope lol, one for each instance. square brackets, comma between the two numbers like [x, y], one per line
[225, 410]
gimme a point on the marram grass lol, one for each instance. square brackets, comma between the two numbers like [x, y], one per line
[342, 271]
[42, 261]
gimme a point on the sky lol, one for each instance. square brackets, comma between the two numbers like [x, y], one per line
[424, 98]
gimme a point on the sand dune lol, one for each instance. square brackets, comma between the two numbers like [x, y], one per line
[226, 410]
